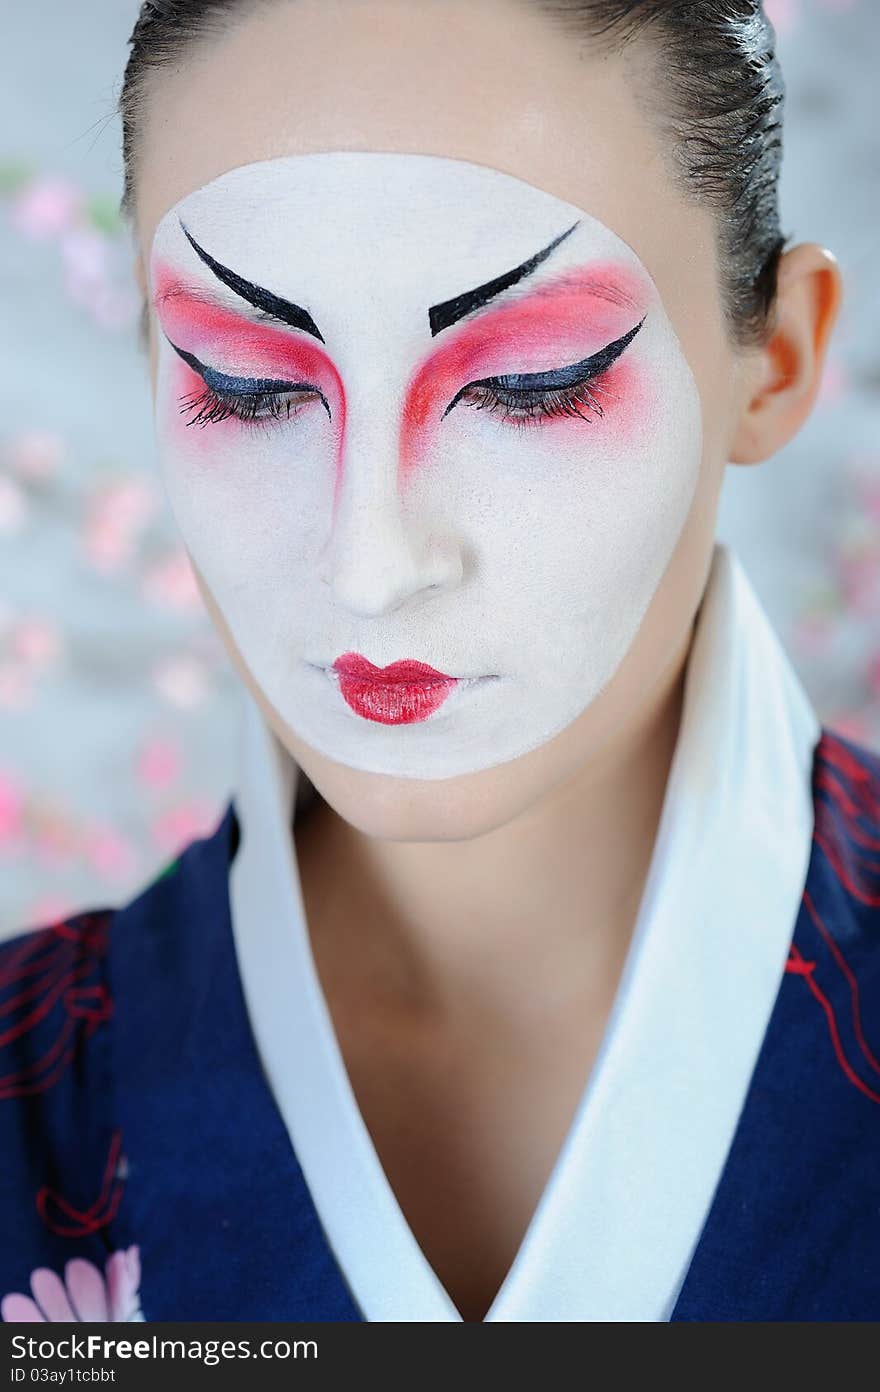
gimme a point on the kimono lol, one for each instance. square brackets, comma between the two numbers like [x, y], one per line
[180, 1139]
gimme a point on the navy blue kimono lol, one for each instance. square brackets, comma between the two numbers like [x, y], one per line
[144, 1158]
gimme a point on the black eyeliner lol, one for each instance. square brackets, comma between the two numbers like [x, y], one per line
[576, 374]
[224, 384]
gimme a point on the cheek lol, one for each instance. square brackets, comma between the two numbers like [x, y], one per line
[573, 516]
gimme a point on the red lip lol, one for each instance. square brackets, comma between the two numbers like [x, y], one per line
[398, 694]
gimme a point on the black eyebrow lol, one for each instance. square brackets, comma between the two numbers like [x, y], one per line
[273, 305]
[440, 316]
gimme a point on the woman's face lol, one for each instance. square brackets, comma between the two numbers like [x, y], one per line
[442, 392]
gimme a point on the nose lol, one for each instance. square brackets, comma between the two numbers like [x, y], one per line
[383, 551]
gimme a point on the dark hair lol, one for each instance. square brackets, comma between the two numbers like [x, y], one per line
[719, 97]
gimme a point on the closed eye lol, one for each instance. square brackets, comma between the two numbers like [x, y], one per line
[528, 396]
[254, 400]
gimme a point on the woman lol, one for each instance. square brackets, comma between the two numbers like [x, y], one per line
[532, 971]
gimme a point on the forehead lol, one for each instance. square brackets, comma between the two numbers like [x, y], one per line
[391, 228]
[495, 84]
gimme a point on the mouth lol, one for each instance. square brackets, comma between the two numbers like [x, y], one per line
[399, 694]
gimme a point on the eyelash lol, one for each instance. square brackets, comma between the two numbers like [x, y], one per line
[530, 407]
[523, 409]
[245, 406]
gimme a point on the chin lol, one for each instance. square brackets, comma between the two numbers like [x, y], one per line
[411, 809]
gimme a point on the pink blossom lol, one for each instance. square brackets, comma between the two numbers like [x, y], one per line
[834, 384]
[35, 454]
[117, 515]
[11, 811]
[49, 908]
[36, 642]
[158, 763]
[189, 821]
[85, 1295]
[812, 633]
[111, 854]
[13, 506]
[783, 14]
[46, 207]
[859, 574]
[867, 484]
[55, 839]
[171, 581]
[16, 686]
[84, 252]
[114, 306]
[182, 681]
[851, 724]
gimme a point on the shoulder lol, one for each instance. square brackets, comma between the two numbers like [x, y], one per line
[58, 979]
[833, 968]
[833, 964]
[73, 997]
[59, 982]
[845, 864]
[794, 1228]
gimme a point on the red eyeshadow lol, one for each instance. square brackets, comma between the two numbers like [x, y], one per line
[555, 323]
[228, 341]
[559, 322]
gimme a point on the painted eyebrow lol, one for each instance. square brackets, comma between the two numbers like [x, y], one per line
[274, 305]
[441, 316]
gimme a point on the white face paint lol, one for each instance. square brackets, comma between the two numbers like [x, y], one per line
[418, 482]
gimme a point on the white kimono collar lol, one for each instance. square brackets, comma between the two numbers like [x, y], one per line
[615, 1229]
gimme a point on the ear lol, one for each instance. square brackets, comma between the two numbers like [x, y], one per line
[788, 369]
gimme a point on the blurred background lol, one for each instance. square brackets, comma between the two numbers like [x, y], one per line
[117, 702]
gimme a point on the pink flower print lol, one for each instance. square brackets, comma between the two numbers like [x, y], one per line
[83, 1296]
